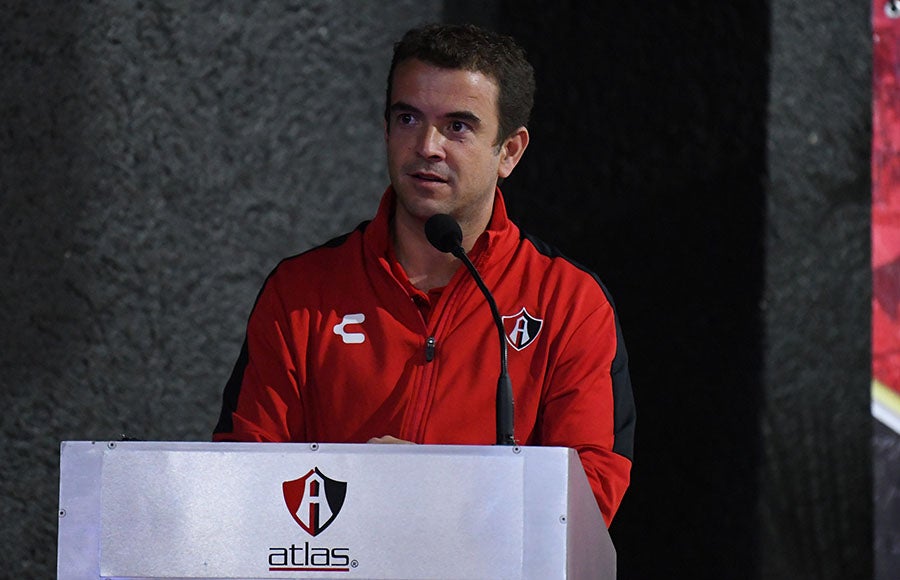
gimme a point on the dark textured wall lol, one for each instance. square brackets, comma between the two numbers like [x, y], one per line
[155, 162]
[816, 476]
[646, 164]
[886, 475]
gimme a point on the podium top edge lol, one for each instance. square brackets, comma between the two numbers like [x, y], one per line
[350, 448]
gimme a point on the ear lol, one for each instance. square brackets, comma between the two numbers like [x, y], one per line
[511, 151]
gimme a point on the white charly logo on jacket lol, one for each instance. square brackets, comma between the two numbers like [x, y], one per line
[350, 337]
[521, 329]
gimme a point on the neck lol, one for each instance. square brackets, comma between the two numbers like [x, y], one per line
[426, 266]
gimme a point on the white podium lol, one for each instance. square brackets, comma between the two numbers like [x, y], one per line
[266, 510]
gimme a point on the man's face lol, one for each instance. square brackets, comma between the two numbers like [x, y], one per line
[441, 143]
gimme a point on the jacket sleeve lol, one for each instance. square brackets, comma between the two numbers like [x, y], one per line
[261, 401]
[589, 405]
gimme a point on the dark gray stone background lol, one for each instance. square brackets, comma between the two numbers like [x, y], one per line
[157, 161]
[886, 469]
[816, 472]
[709, 159]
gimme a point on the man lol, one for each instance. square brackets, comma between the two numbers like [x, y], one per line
[377, 336]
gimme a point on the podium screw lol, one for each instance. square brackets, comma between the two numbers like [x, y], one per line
[314, 446]
[62, 513]
[562, 519]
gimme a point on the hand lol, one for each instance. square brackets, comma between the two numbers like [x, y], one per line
[389, 439]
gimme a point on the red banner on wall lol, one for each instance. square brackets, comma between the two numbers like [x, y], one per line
[886, 212]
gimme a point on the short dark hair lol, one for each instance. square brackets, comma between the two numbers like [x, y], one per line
[468, 47]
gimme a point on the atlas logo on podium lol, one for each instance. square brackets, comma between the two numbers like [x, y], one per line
[314, 500]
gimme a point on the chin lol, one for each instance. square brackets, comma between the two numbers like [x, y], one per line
[422, 209]
[426, 210]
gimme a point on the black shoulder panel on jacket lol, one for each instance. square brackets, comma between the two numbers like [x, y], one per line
[335, 242]
[231, 392]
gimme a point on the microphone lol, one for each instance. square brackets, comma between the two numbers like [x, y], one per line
[445, 234]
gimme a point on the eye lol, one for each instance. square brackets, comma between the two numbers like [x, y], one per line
[459, 126]
[405, 119]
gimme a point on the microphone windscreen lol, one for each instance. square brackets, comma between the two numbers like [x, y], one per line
[443, 232]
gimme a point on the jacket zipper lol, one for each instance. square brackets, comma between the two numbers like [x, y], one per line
[429, 348]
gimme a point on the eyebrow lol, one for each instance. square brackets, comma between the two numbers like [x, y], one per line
[469, 116]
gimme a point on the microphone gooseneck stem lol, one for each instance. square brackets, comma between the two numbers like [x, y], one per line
[505, 420]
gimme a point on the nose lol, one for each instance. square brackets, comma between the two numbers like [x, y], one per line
[431, 143]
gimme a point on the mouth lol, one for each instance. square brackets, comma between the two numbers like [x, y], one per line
[428, 177]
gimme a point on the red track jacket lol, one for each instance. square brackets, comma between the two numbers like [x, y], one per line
[338, 351]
